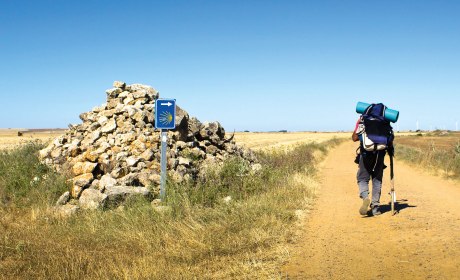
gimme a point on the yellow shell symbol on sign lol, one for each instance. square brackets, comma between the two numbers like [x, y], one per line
[166, 118]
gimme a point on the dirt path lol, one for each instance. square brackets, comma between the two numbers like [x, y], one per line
[421, 242]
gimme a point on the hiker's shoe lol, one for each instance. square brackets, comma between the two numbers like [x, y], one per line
[376, 211]
[365, 206]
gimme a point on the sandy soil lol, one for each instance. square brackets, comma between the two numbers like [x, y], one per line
[422, 241]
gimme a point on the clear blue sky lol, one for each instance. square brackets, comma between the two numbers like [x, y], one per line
[252, 65]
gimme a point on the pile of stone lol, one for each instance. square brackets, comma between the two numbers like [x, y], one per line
[115, 153]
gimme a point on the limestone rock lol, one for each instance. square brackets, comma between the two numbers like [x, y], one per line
[92, 199]
[132, 161]
[107, 181]
[184, 161]
[113, 92]
[63, 199]
[118, 194]
[83, 167]
[110, 126]
[118, 84]
[83, 180]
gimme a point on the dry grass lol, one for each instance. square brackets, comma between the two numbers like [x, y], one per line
[431, 140]
[243, 240]
[198, 236]
[264, 140]
[439, 153]
[9, 137]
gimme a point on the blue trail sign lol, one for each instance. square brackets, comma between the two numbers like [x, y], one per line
[165, 118]
[165, 113]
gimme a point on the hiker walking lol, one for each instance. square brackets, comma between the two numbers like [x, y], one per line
[376, 139]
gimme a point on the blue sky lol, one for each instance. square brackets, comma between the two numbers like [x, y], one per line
[252, 65]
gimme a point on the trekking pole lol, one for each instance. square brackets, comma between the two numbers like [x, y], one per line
[392, 191]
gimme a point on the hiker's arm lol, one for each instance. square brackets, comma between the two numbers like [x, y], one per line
[355, 137]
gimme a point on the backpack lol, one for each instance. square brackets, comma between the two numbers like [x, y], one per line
[377, 133]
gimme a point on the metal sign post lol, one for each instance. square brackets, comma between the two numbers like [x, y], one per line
[163, 161]
[165, 118]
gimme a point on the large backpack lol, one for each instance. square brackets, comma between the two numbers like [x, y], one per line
[378, 133]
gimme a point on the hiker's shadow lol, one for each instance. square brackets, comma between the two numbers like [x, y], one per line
[400, 205]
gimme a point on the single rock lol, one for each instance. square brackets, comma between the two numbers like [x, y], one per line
[102, 120]
[107, 181]
[118, 194]
[212, 150]
[139, 94]
[92, 199]
[83, 180]
[56, 152]
[130, 179]
[172, 163]
[137, 147]
[83, 167]
[63, 199]
[149, 91]
[121, 156]
[139, 116]
[73, 150]
[110, 126]
[184, 161]
[108, 113]
[132, 161]
[75, 191]
[119, 84]
[91, 156]
[211, 131]
[147, 155]
[118, 172]
[113, 103]
[113, 92]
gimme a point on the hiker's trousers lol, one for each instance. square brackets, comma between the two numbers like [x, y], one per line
[371, 166]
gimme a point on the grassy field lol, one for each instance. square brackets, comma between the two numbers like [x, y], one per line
[436, 151]
[197, 236]
[262, 140]
[9, 137]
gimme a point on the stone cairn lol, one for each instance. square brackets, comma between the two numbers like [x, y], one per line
[115, 153]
